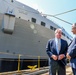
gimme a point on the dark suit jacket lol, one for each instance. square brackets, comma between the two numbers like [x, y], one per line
[51, 49]
[72, 53]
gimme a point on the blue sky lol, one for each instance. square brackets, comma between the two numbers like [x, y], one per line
[53, 7]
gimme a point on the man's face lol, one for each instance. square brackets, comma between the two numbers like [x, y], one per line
[73, 29]
[58, 34]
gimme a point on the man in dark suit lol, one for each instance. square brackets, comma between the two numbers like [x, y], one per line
[72, 51]
[56, 51]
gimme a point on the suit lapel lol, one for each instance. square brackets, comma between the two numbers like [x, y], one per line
[54, 45]
[61, 45]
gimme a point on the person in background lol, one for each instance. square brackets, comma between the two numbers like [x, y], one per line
[56, 50]
[71, 54]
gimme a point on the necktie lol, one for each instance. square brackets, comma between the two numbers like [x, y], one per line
[58, 44]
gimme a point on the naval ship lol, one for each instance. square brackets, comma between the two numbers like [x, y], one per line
[24, 31]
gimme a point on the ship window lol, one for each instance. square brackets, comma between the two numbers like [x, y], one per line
[63, 34]
[67, 37]
[11, 0]
[19, 17]
[42, 23]
[7, 51]
[13, 52]
[54, 29]
[51, 27]
[33, 20]
[70, 39]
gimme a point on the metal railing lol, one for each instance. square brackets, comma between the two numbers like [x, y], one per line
[18, 56]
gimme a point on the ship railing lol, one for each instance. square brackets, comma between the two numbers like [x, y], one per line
[31, 67]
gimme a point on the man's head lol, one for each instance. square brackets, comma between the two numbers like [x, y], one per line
[74, 28]
[58, 33]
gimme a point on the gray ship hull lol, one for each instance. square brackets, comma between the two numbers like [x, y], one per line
[28, 39]
[25, 40]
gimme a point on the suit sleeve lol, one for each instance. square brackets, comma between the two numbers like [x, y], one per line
[48, 49]
[72, 50]
[66, 48]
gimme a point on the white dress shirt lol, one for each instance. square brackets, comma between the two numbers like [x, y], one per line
[58, 44]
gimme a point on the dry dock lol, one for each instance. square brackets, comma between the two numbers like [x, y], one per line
[41, 71]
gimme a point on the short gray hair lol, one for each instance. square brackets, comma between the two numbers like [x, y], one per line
[74, 24]
[58, 29]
